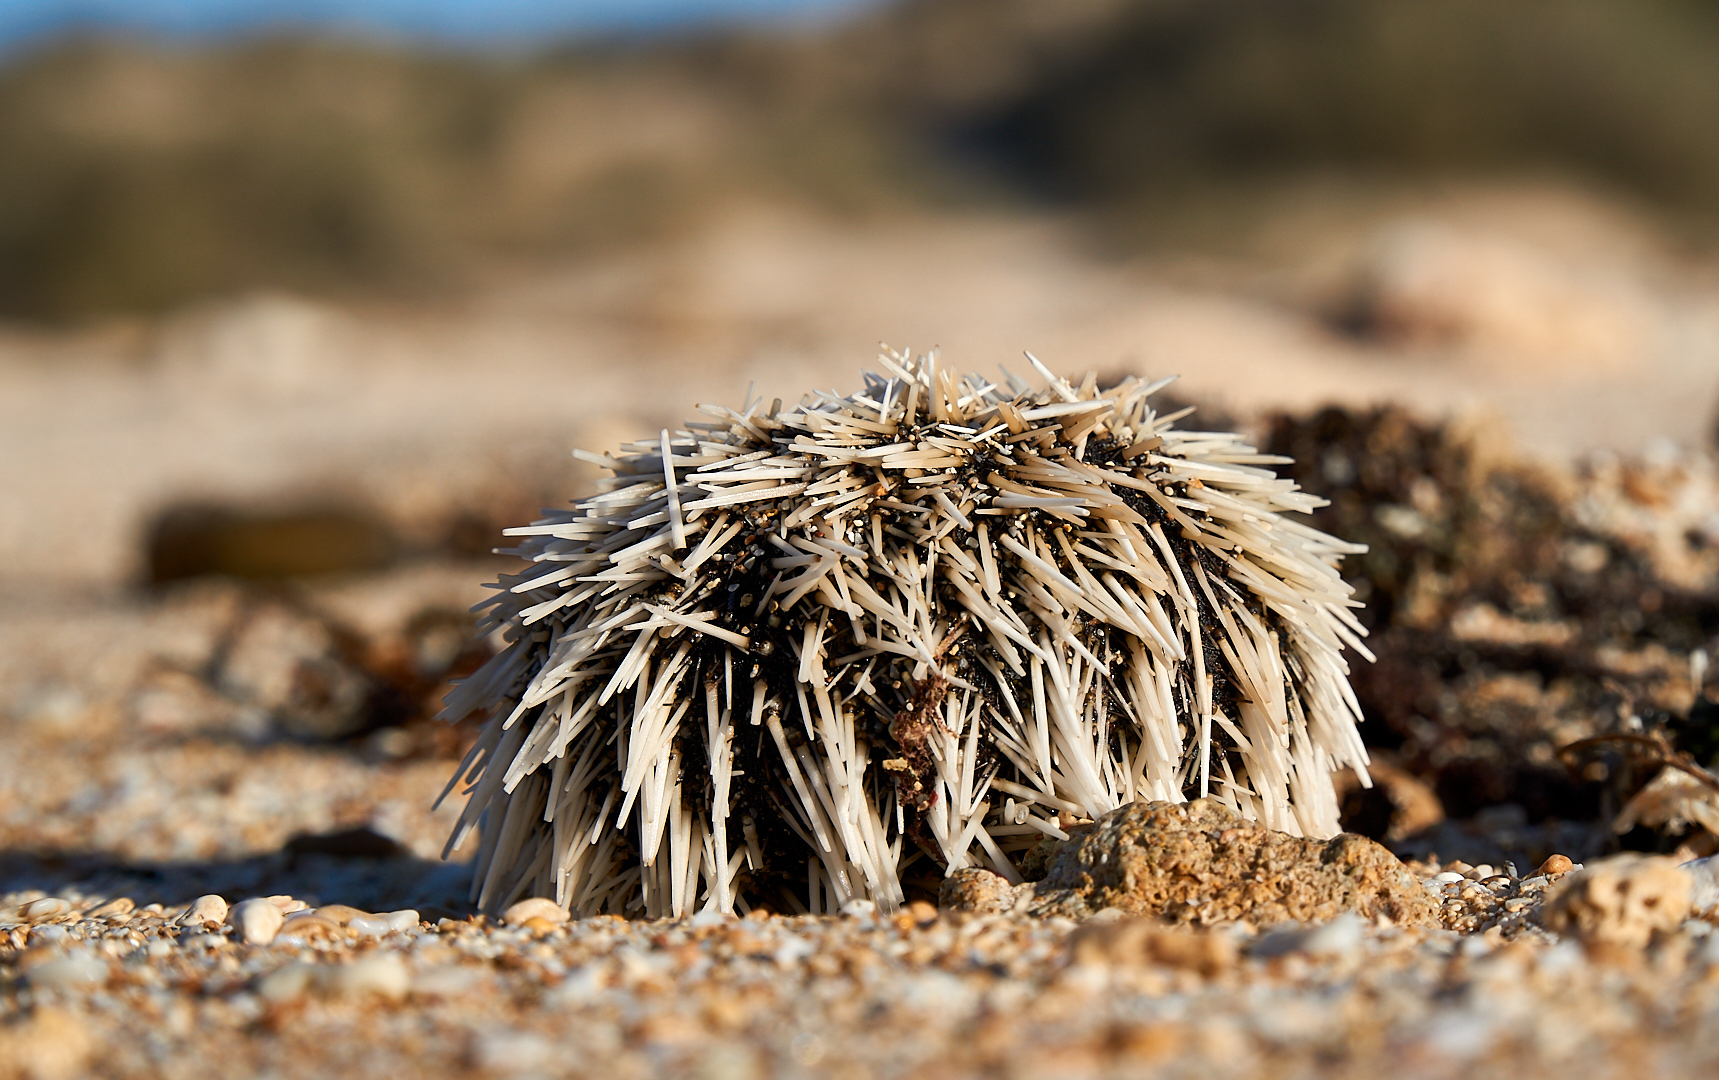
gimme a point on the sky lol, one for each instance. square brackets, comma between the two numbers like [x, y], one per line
[477, 22]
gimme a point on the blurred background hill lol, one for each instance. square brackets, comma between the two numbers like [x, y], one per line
[140, 174]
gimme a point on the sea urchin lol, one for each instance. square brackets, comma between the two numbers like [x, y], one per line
[785, 654]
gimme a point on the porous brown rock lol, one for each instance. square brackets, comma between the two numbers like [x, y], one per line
[1200, 862]
[980, 892]
[1621, 901]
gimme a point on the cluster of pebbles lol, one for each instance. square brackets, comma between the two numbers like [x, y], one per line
[1479, 899]
[272, 986]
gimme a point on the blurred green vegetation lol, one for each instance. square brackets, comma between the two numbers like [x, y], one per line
[135, 177]
[1180, 91]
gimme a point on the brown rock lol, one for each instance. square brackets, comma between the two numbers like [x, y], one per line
[1556, 864]
[1200, 862]
[979, 892]
[1620, 901]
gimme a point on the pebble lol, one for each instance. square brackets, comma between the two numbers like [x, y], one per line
[1556, 864]
[538, 907]
[340, 914]
[1339, 937]
[402, 920]
[69, 973]
[383, 975]
[310, 928]
[117, 907]
[511, 1052]
[210, 910]
[257, 921]
[447, 982]
[386, 923]
[1134, 942]
[48, 907]
[289, 982]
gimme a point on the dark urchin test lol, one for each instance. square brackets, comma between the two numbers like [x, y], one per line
[785, 657]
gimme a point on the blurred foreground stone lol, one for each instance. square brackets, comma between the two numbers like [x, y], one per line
[1621, 901]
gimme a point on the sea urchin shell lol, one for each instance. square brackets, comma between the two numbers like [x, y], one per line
[786, 654]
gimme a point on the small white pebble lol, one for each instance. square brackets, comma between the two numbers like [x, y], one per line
[402, 920]
[792, 950]
[709, 917]
[210, 910]
[1447, 877]
[117, 908]
[1563, 958]
[537, 907]
[47, 907]
[504, 1051]
[257, 921]
[579, 987]
[1339, 937]
[286, 983]
[364, 926]
[206, 941]
[69, 973]
[446, 982]
[42, 935]
[382, 974]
